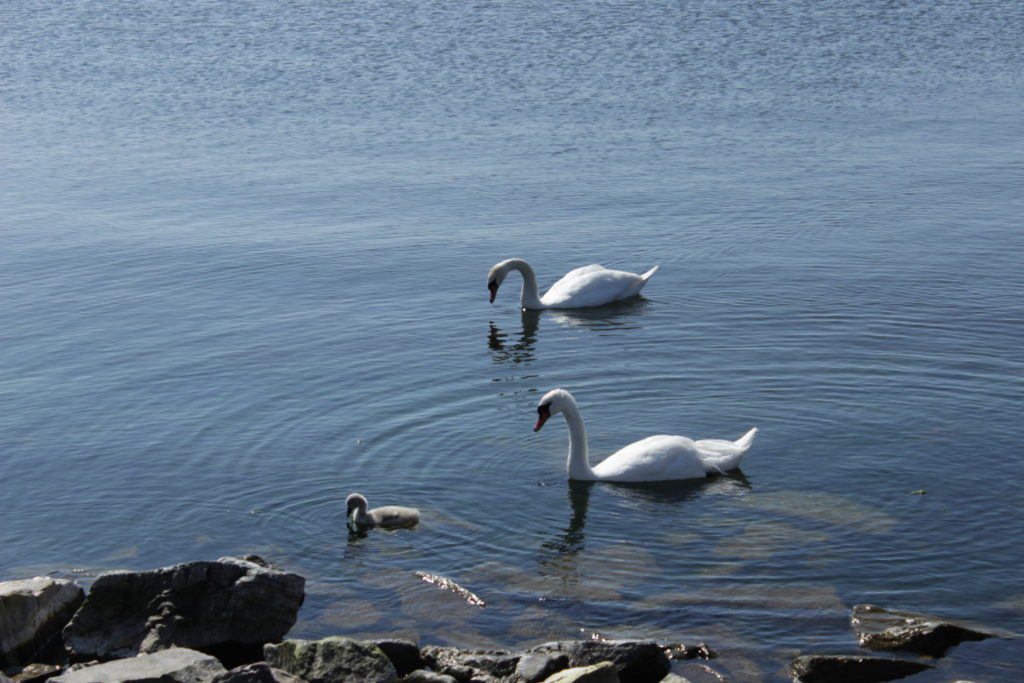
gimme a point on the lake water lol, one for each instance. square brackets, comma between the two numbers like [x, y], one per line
[243, 250]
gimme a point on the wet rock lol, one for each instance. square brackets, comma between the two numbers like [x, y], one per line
[882, 629]
[259, 672]
[465, 665]
[228, 608]
[404, 654]
[682, 651]
[32, 613]
[603, 672]
[533, 667]
[176, 664]
[635, 661]
[332, 660]
[36, 673]
[851, 669]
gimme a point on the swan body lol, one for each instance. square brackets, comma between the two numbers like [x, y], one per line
[662, 457]
[387, 516]
[583, 287]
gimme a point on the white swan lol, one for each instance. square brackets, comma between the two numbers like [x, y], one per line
[591, 285]
[389, 515]
[656, 458]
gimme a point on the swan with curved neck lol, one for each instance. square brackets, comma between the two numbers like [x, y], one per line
[387, 516]
[662, 457]
[583, 287]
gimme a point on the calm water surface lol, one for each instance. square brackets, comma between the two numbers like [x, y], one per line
[242, 260]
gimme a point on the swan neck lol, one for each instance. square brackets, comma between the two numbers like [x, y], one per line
[529, 297]
[577, 465]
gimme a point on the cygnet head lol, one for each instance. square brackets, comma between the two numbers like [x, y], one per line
[495, 276]
[355, 501]
[552, 403]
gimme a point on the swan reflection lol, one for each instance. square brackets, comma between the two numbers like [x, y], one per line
[562, 551]
[512, 349]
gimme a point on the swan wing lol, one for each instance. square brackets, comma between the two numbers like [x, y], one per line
[656, 458]
[592, 285]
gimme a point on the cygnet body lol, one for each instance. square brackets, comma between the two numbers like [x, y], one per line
[386, 516]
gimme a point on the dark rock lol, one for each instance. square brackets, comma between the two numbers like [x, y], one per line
[605, 672]
[228, 608]
[881, 629]
[173, 665]
[465, 665]
[851, 669]
[533, 667]
[36, 673]
[332, 660]
[259, 672]
[32, 614]
[635, 661]
[404, 654]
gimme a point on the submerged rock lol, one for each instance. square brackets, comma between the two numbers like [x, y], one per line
[173, 665]
[882, 629]
[332, 660]
[851, 669]
[228, 608]
[635, 661]
[32, 613]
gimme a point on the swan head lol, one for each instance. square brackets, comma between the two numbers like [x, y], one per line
[495, 276]
[355, 501]
[552, 403]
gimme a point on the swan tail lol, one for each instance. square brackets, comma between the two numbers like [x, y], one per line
[744, 441]
[647, 276]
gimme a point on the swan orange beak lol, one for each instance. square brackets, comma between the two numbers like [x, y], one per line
[543, 413]
[493, 287]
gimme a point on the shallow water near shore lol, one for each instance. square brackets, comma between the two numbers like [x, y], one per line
[242, 267]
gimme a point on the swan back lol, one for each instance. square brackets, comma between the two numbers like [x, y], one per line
[593, 285]
[663, 457]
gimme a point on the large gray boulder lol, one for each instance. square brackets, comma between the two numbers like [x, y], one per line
[228, 608]
[477, 665]
[260, 672]
[32, 613]
[331, 660]
[174, 665]
[882, 629]
[635, 661]
[851, 669]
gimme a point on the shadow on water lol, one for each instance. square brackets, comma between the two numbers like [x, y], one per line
[512, 348]
[614, 317]
[571, 538]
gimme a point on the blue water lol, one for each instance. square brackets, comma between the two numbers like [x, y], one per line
[243, 250]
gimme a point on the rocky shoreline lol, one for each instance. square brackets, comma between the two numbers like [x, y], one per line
[227, 622]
